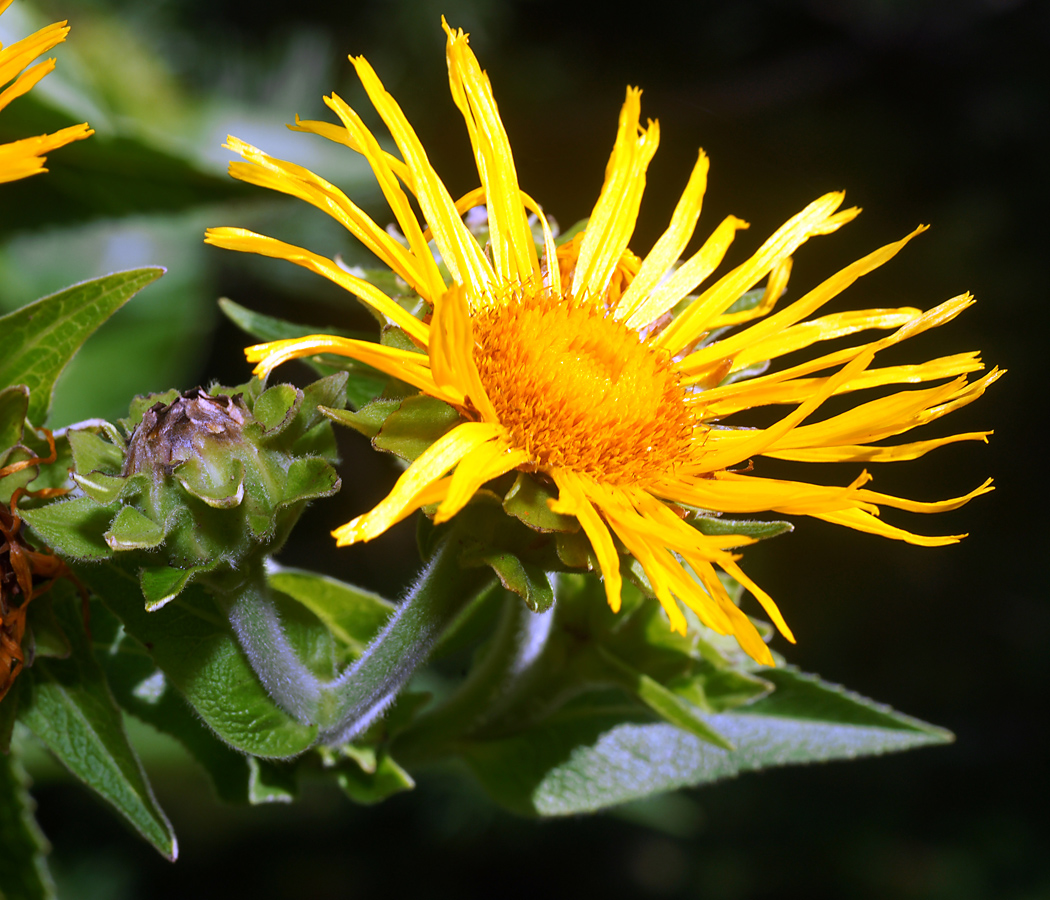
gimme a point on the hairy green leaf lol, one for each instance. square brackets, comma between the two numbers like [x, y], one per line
[41, 338]
[69, 707]
[587, 757]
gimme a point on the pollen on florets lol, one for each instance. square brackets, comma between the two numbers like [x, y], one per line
[577, 389]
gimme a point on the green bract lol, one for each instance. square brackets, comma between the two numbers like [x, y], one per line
[205, 483]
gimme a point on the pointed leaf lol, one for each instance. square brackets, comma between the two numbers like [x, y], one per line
[752, 528]
[93, 454]
[69, 707]
[161, 584]
[14, 402]
[415, 425]
[74, 527]
[41, 338]
[528, 581]
[271, 782]
[131, 530]
[527, 500]
[276, 407]
[667, 705]
[386, 778]
[368, 419]
[23, 848]
[142, 690]
[584, 759]
[310, 479]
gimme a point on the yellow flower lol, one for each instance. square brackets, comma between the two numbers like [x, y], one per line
[20, 159]
[612, 376]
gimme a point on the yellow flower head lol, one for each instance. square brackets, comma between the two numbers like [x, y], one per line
[613, 376]
[20, 159]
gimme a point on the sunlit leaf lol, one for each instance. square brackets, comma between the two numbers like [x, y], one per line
[41, 338]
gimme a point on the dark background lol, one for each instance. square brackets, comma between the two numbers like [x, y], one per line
[930, 112]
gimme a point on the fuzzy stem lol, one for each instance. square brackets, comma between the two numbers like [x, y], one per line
[496, 684]
[345, 706]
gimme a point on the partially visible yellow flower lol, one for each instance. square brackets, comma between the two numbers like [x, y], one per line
[607, 374]
[20, 159]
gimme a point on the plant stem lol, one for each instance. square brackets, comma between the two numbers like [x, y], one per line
[345, 706]
[496, 684]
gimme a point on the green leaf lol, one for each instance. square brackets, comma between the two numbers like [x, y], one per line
[74, 528]
[162, 584]
[798, 695]
[752, 528]
[352, 614]
[368, 787]
[667, 705]
[276, 407]
[415, 425]
[92, 454]
[131, 530]
[587, 757]
[41, 338]
[49, 639]
[141, 689]
[69, 707]
[527, 500]
[310, 479]
[23, 848]
[271, 782]
[367, 420]
[528, 581]
[191, 641]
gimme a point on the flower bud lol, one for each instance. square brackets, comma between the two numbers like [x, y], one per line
[207, 485]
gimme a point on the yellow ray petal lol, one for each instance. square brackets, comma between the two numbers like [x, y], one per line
[817, 218]
[19, 159]
[775, 287]
[459, 251]
[783, 388]
[452, 353]
[340, 134]
[796, 312]
[859, 520]
[861, 453]
[428, 468]
[572, 501]
[772, 610]
[513, 248]
[25, 81]
[288, 178]
[407, 366]
[919, 506]
[389, 185]
[886, 416]
[250, 242]
[826, 328]
[688, 275]
[15, 57]
[612, 221]
[482, 464]
[669, 247]
[729, 492]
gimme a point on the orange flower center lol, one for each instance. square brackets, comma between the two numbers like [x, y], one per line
[579, 390]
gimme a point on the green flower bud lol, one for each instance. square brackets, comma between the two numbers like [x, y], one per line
[207, 484]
